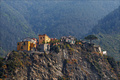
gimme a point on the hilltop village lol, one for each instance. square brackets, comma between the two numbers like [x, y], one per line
[45, 42]
[53, 59]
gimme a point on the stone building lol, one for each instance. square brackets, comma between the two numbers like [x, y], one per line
[68, 39]
[44, 39]
[27, 44]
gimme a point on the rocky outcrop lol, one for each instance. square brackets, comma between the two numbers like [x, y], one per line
[75, 62]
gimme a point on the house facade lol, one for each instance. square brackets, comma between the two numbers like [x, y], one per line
[97, 48]
[27, 44]
[104, 52]
[68, 39]
[24, 45]
[44, 47]
[43, 39]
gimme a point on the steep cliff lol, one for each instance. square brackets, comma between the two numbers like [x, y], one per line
[72, 62]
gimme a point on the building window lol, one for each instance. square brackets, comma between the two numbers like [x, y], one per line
[40, 37]
[18, 43]
[24, 43]
[21, 47]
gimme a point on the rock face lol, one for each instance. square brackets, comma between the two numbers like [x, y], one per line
[75, 62]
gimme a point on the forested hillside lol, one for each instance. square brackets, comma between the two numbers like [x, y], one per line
[20, 19]
[13, 27]
[58, 18]
[108, 32]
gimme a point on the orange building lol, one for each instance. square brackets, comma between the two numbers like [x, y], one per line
[25, 45]
[44, 39]
[28, 44]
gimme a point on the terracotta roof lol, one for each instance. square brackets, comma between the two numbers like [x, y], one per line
[41, 35]
[34, 38]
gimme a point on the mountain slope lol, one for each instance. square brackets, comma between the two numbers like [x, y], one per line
[58, 18]
[71, 63]
[13, 27]
[20, 19]
[108, 32]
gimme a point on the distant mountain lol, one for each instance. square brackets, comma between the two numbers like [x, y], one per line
[58, 18]
[108, 32]
[20, 19]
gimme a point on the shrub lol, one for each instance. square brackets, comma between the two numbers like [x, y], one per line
[66, 61]
[55, 49]
[68, 46]
[1, 63]
[74, 60]
[11, 66]
[112, 62]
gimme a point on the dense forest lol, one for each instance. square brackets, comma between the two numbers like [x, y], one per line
[13, 27]
[67, 17]
[20, 19]
[108, 32]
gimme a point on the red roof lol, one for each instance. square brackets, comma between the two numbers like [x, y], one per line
[41, 35]
[34, 38]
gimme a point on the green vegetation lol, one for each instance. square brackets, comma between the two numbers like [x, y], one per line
[13, 28]
[1, 61]
[70, 65]
[113, 63]
[54, 48]
[20, 19]
[54, 42]
[68, 46]
[16, 60]
[91, 37]
[43, 42]
[108, 32]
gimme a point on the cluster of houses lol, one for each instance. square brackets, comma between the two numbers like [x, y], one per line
[69, 39]
[43, 44]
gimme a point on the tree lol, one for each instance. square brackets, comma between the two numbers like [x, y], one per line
[91, 37]
[43, 42]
